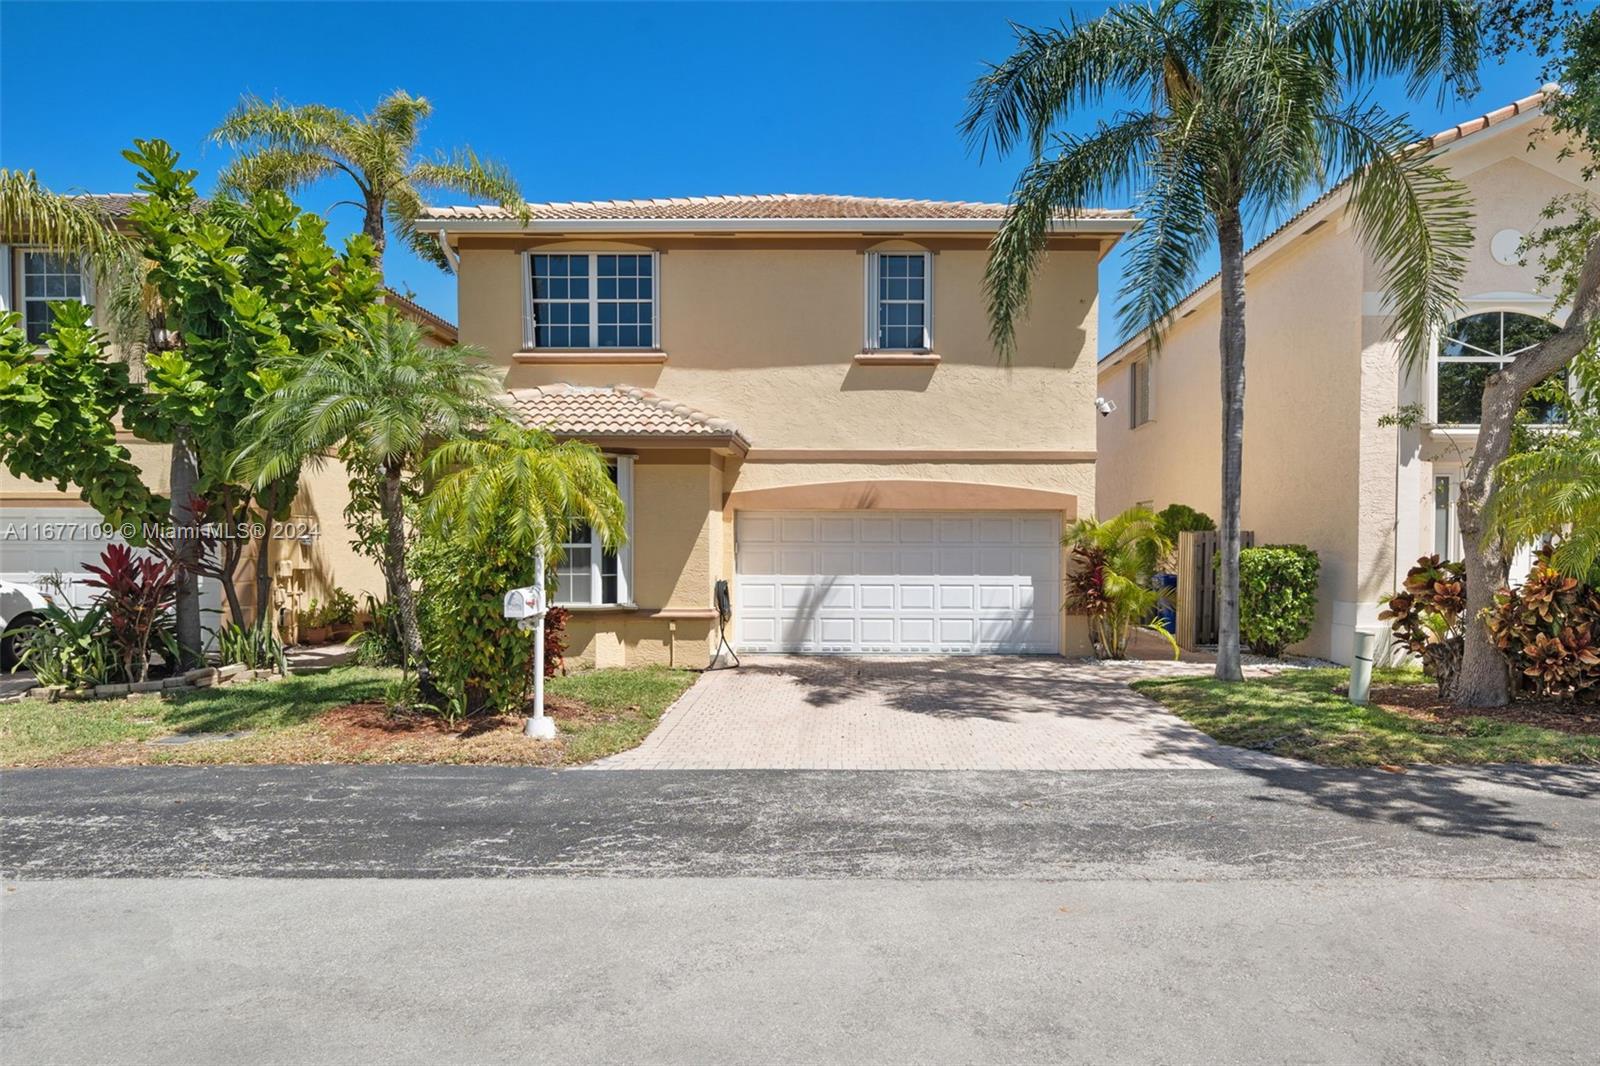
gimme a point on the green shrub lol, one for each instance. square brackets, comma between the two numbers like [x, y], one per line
[1178, 518]
[1277, 596]
[340, 610]
[479, 659]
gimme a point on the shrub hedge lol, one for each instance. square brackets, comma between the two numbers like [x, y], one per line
[1277, 596]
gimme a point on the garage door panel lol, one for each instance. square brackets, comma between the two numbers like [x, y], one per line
[887, 582]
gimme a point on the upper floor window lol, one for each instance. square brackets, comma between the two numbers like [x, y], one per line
[1475, 347]
[47, 276]
[592, 300]
[1139, 394]
[900, 306]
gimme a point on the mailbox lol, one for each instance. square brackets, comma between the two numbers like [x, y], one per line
[523, 604]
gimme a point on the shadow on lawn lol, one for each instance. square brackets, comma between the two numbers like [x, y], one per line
[268, 703]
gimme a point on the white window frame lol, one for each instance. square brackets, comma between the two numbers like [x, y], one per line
[873, 305]
[624, 465]
[529, 321]
[1435, 360]
[17, 281]
[1141, 408]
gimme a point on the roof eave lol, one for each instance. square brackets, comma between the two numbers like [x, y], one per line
[755, 225]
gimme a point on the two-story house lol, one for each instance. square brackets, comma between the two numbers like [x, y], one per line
[1323, 466]
[801, 399]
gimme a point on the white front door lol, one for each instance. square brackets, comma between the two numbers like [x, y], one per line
[898, 582]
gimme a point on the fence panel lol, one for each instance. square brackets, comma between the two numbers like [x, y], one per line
[1198, 599]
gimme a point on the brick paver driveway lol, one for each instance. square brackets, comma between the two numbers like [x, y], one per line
[956, 713]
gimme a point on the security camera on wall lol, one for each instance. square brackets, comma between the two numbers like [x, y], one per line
[1104, 406]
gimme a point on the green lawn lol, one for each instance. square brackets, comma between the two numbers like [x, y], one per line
[1299, 713]
[618, 709]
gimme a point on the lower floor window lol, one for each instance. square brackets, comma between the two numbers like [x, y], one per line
[588, 574]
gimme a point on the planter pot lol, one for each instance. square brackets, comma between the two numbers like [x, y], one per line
[314, 635]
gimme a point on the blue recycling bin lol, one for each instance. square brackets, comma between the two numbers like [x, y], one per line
[1167, 610]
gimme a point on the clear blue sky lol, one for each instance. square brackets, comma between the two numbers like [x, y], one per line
[583, 101]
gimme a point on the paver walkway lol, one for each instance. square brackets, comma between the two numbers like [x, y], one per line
[934, 713]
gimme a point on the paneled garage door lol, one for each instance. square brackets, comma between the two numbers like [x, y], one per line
[898, 582]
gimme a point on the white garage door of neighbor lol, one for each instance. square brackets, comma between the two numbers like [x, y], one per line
[897, 582]
[39, 544]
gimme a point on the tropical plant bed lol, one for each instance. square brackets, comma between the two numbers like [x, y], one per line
[332, 717]
[1304, 714]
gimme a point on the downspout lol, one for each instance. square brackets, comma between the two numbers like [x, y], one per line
[449, 254]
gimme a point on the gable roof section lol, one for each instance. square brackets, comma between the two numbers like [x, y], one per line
[620, 413]
[1325, 205]
[438, 325]
[781, 211]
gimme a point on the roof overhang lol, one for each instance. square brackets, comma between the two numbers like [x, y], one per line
[869, 226]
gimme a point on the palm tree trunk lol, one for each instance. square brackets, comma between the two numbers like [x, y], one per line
[263, 576]
[1230, 241]
[372, 226]
[390, 499]
[185, 476]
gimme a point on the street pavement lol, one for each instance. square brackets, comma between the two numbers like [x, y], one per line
[409, 914]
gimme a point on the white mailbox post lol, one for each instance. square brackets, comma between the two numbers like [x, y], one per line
[526, 605]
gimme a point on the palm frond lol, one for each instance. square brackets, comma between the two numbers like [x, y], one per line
[1411, 216]
[1052, 71]
[278, 168]
[1432, 44]
[464, 171]
[1555, 489]
[1086, 169]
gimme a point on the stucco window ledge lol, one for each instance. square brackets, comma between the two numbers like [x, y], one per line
[598, 608]
[897, 359]
[590, 357]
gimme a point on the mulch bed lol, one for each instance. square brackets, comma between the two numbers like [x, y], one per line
[1423, 702]
[368, 726]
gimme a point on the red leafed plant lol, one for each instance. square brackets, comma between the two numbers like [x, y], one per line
[138, 596]
[1428, 617]
[555, 640]
[1549, 629]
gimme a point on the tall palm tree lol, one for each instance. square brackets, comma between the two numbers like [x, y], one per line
[523, 489]
[287, 146]
[1244, 107]
[386, 396]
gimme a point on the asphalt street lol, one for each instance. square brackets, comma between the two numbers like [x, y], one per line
[334, 914]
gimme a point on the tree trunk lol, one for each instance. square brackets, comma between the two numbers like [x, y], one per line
[392, 503]
[1230, 242]
[263, 575]
[1484, 680]
[372, 226]
[185, 475]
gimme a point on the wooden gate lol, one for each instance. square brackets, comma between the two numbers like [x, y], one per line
[1198, 601]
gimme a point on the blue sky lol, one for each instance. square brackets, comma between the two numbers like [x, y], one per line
[583, 101]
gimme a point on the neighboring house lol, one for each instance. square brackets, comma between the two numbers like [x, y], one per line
[1322, 371]
[800, 398]
[44, 530]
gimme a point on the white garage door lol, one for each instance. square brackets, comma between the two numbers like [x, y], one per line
[897, 582]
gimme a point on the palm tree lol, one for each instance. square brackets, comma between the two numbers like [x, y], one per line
[386, 397]
[522, 489]
[1116, 560]
[1245, 106]
[1556, 487]
[289, 147]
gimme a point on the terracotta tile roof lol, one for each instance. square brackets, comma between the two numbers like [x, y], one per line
[421, 315]
[1442, 139]
[772, 206]
[617, 411]
[114, 204]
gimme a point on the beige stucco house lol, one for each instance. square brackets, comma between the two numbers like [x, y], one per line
[45, 530]
[800, 399]
[1319, 468]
